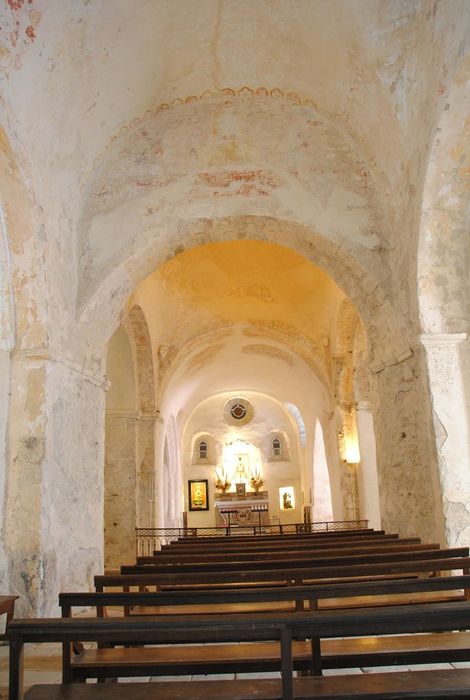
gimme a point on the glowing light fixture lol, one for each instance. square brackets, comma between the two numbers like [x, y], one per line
[351, 450]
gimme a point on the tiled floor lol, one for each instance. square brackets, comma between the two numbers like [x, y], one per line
[43, 665]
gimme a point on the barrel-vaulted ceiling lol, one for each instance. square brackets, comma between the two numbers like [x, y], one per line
[284, 307]
[138, 124]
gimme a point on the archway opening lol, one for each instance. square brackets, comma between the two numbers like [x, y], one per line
[243, 338]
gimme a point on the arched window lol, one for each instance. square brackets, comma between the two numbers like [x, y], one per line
[276, 448]
[203, 450]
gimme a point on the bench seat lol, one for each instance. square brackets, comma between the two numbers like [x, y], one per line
[324, 604]
[371, 686]
[265, 656]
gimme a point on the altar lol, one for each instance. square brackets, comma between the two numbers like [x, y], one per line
[237, 511]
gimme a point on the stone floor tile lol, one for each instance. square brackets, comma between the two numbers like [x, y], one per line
[170, 678]
[214, 677]
[260, 674]
[342, 671]
[430, 667]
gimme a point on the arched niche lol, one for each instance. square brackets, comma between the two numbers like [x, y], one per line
[204, 449]
[277, 446]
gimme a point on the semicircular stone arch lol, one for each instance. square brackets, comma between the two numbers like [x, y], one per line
[281, 184]
[142, 346]
[443, 272]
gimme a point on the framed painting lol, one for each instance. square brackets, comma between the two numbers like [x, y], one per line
[198, 494]
[286, 498]
[240, 490]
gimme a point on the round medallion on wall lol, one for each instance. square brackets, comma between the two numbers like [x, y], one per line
[238, 411]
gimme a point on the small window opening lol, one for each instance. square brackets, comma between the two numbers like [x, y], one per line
[276, 447]
[203, 450]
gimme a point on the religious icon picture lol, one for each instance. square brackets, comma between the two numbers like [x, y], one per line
[286, 498]
[240, 490]
[198, 494]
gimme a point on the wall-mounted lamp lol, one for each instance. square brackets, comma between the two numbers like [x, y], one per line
[351, 450]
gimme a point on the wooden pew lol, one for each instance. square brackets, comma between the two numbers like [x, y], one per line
[248, 628]
[302, 554]
[393, 686]
[281, 544]
[261, 540]
[233, 537]
[298, 546]
[285, 575]
[7, 607]
[319, 561]
[265, 656]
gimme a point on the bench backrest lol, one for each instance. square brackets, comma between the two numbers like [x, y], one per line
[298, 594]
[262, 540]
[317, 561]
[287, 575]
[294, 550]
[248, 627]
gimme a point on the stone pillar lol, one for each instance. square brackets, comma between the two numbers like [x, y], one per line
[146, 495]
[447, 356]
[4, 406]
[406, 459]
[350, 492]
[54, 512]
[368, 486]
[121, 431]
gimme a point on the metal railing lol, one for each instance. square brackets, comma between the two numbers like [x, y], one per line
[148, 539]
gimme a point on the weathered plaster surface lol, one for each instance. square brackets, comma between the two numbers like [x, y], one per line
[120, 490]
[345, 139]
[447, 367]
[53, 530]
[409, 495]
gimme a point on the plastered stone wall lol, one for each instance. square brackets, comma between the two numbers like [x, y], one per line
[407, 472]
[448, 364]
[311, 125]
[4, 406]
[120, 489]
[121, 445]
[53, 532]
[145, 496]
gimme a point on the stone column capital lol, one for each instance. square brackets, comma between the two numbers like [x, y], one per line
[432, 340]
[151, 416]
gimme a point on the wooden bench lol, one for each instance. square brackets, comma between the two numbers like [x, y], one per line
[294, 554]
[371, 686]
[283, 545]
[268, 536]
[324, 567]
[265, 541]
[293, 551]
[280, 577]
[282, 627]
[265, 656]
[7, 607]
